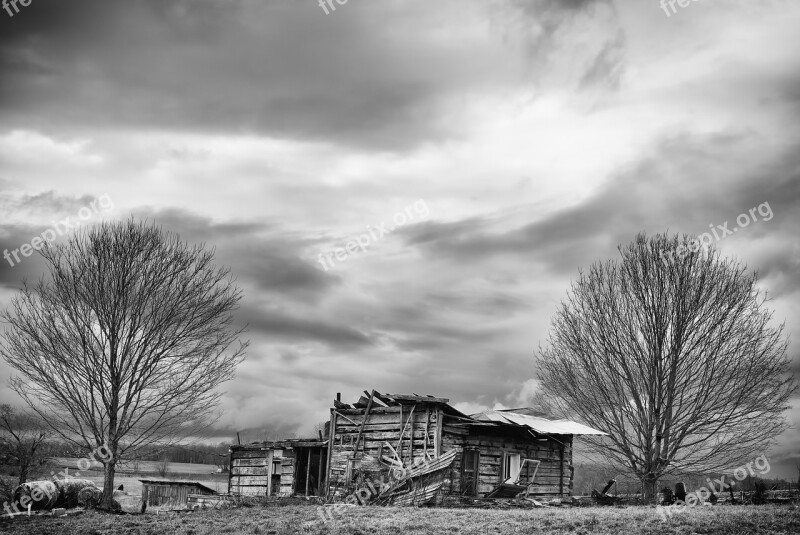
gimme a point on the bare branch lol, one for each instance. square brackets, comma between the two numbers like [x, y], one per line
[674, 355]
[127, 341]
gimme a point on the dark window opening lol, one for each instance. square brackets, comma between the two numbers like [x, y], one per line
[470, 472]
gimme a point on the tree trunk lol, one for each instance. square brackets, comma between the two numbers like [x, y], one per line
[649, 488]
[108, 485]
[23, 473]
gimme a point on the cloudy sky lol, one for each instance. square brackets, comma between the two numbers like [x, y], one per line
[483, 152]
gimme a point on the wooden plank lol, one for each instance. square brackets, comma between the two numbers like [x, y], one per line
[320, 475]
[561, 482]
[402, 423]
[253, 470]
[427, 430]
[402, 433]
[262, 461]
[386, 400]
[375, 398]
[364, 421]
[382, 410]
[438, 444]
[379, 422]
[339, 413]
[418, 399]
[252, 480]
[350, 438]
[411, 438]
[346, 427]
[394, 451]
[331, 447]
[308, 470]
[252, 454]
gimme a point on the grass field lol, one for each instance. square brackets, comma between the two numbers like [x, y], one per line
[304, 519]
[128, 473]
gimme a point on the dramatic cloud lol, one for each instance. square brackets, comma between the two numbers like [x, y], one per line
[540, 135]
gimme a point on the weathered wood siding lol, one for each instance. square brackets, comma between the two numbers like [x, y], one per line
[167, 494]
[553, 478]
[443, 433]
[249, 472]
[383, 425]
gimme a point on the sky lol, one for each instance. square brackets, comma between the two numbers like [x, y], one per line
[404, 189]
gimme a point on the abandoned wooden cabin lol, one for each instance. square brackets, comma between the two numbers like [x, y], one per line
[494, 453]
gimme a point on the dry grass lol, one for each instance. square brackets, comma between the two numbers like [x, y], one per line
[303, 519]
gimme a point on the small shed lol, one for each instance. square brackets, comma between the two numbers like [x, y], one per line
[171, 492]
[279, 468]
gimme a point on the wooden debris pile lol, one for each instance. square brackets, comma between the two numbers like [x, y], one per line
[417, 484]
[410, 472]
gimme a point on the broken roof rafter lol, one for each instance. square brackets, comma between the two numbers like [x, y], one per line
[390, 400]
[529, 418]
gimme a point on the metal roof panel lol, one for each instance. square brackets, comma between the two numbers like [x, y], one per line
[541, 425]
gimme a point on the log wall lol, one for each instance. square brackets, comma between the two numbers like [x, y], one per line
[553, 478]
[436, 433]
[383, 425]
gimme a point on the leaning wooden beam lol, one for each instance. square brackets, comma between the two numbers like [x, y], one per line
[363, 423]
[308, 470]
[386, 400]
[394, 452]
[411, 441]
[376, 398]
[400, 440]
[403, 432]
[345, 417]
[437, 444]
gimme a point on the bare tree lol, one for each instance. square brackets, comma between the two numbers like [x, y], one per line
[22, 437]
[126, 342]
[672, 355]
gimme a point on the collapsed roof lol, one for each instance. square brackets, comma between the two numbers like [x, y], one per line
[523, 417]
